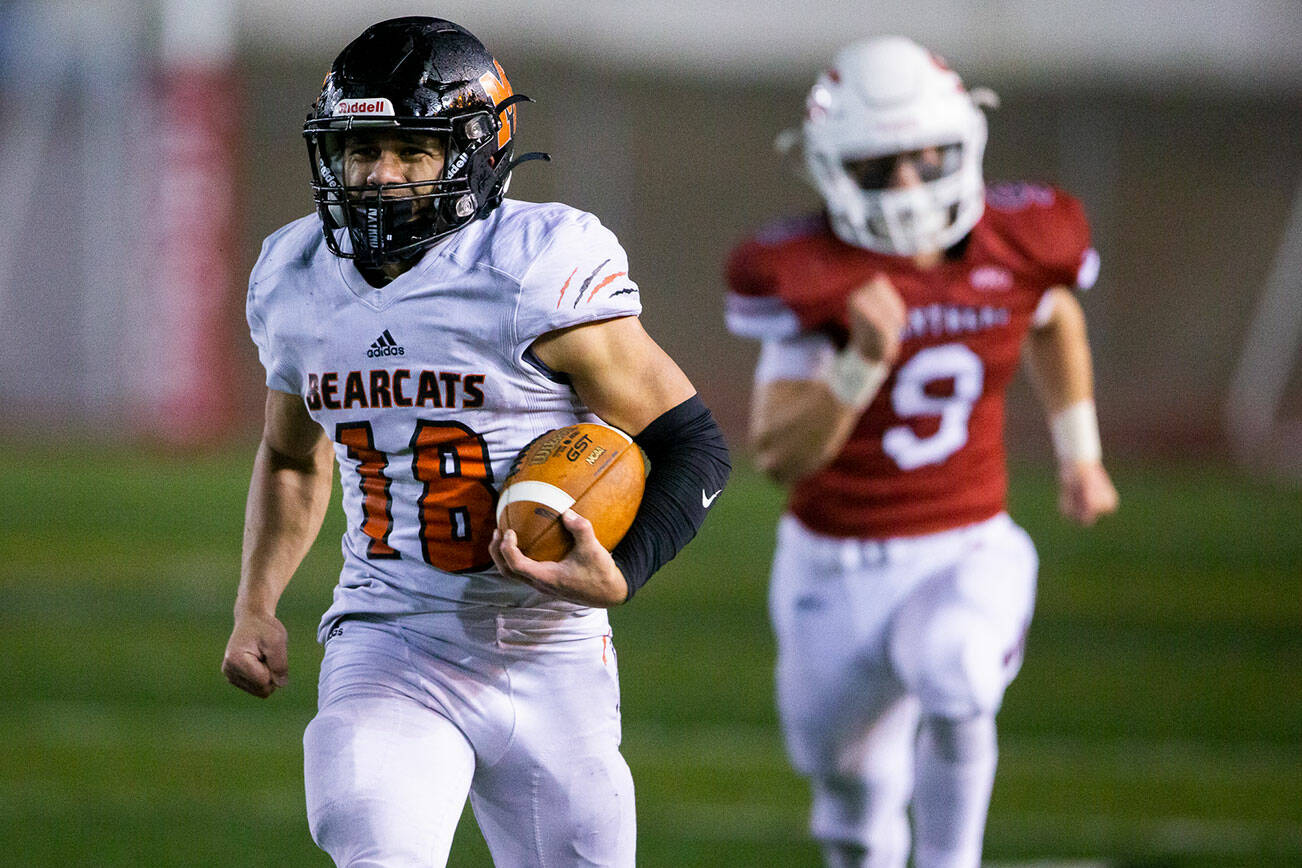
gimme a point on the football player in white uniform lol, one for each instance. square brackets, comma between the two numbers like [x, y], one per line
[421, 329]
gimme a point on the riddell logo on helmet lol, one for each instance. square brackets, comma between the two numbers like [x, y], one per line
[378, 106]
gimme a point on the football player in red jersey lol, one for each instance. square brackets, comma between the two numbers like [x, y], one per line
[890, 327]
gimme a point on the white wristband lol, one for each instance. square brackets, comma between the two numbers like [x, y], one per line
[854, 380]
[1075, 432]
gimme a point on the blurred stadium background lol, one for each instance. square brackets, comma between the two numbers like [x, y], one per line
[147, 147]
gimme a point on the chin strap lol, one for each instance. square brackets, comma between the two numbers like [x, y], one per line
[505, 169]
[495, 180]
[524, 158]
[483, 178]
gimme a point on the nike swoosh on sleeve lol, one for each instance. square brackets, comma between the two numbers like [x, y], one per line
[706, 501]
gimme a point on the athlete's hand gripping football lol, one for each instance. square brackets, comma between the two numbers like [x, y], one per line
[586, 575]
[1085, 491]
[877, 316]
[257, 655]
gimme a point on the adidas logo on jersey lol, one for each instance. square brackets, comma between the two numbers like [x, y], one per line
[385, 345]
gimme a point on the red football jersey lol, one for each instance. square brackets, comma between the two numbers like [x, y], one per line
[928, 453]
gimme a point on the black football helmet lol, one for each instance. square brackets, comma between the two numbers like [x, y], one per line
[424, 75]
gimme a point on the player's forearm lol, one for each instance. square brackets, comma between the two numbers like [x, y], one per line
[1058, 357]
[797, 429]
[287, 502]
[690, 466]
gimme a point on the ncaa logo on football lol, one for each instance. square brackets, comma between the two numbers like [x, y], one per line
[991, 278]
[377, 107]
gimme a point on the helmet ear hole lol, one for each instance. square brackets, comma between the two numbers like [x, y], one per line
[475, 129]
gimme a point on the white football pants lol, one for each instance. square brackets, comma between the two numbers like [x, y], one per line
[875, 637]
[521, 713]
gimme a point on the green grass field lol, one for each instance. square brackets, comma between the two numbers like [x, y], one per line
[1157, 721]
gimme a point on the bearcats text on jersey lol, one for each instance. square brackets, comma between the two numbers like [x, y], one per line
[402, 387]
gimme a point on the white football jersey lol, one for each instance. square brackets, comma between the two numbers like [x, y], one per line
[428, 390]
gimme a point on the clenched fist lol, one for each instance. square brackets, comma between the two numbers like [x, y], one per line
[257, 655]
[877, 317]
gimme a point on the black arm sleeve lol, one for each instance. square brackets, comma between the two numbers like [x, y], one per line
[689, 467]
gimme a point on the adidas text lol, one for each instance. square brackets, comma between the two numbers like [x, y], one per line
[384, 345]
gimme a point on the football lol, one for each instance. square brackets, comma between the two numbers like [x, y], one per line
[595, 469]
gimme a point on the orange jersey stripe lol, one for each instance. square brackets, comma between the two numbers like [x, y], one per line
[565, 287]
[604, 282]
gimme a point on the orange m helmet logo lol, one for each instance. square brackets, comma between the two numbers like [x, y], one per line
[498, 89]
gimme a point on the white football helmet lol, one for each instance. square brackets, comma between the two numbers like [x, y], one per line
[884, 97]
